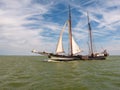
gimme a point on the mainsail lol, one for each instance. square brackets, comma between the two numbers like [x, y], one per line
[75, 47]
[60, 48]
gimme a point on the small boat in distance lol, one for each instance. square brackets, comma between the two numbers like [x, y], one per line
[74, 50]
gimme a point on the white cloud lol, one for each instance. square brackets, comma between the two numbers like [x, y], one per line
[19, 36]
[108, 23]
[15, 37]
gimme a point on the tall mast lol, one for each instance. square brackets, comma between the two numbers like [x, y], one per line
[70, 32]
[90, 35]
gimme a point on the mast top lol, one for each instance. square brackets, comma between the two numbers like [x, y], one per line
[69, 12]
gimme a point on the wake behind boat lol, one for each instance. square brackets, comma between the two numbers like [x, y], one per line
[74, 49]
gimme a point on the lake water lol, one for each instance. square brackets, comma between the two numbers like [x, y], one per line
[34, 73]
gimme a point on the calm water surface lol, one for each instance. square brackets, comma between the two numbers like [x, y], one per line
[33, 73]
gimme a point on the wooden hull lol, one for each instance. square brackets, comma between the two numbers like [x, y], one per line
[97, 58]
[74, 58]
[64, 57]
[93, 58]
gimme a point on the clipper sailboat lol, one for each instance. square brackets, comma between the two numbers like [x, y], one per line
[74, 49]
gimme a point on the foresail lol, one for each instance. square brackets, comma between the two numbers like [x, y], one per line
[60, 48]
[75, 47]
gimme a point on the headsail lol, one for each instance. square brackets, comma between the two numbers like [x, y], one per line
[75, 47]
[60, 48]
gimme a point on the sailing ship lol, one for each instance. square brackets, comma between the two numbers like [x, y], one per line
[92, 55]
[74, 49]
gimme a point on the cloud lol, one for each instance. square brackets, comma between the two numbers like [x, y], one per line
[28, 24]
[15, 35]
[105, 21]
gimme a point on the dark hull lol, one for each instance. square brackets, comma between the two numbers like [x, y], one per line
[97, 58]
[74, 58]
[64, 57]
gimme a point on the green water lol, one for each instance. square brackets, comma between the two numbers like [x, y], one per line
[32, 73]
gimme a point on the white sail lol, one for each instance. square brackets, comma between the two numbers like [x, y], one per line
[60, 48]
[75, 47]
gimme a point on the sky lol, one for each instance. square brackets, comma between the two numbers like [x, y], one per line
[36, 24]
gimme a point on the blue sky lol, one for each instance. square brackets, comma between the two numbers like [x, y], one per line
[36, 24]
